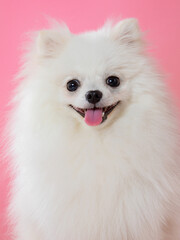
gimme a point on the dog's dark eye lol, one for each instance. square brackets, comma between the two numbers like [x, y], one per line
[113, 81]
[73, 85]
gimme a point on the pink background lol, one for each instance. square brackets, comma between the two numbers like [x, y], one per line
[161, 19]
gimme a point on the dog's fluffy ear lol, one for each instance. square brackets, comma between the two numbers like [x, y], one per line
[127, 31]
[50, 42]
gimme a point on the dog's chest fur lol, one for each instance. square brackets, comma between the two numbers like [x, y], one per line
[98, 190]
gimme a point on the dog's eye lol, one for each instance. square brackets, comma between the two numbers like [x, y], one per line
[73, 85]
[113, 81]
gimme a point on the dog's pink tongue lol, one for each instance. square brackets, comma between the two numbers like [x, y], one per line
[93, 117]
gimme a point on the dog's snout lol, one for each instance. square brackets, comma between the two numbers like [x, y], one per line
[93, 96]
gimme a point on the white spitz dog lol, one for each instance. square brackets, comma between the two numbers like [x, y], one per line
[94, 140]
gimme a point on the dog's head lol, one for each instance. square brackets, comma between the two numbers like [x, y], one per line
[93, 71]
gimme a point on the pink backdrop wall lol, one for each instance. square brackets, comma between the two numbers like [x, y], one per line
[160, 18]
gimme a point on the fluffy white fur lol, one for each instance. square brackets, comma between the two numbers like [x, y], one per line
[115, 181]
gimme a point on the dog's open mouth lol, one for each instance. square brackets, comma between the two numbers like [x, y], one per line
[95, 116]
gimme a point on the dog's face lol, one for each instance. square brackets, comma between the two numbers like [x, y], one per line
[93, 71]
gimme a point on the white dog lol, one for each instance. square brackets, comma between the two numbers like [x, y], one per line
[94, 140]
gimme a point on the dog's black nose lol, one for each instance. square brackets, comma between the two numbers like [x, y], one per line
[93, 96]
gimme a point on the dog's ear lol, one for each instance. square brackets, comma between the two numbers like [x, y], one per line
[50, 42]
[127, 31]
